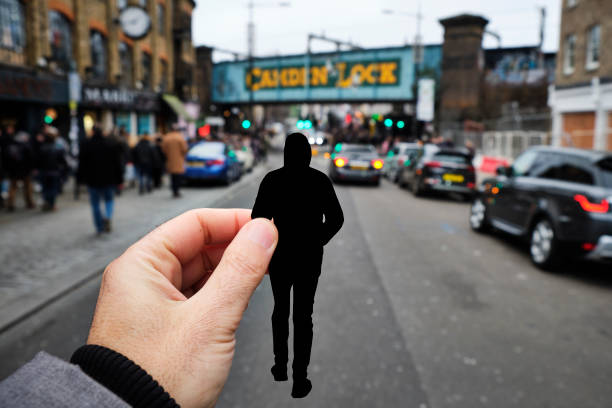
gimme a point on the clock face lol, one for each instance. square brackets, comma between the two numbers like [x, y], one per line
[135, 22]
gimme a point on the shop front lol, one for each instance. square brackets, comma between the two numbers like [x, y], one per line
[29, 99]
[116, 108]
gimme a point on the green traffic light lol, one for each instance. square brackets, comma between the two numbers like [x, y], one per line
[338, 147]
[300, 124]
[246, 124]
[307, 124]
[400, 124]
[388, 122]
[48, 119]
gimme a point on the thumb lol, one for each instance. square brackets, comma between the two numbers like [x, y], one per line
[241, 269]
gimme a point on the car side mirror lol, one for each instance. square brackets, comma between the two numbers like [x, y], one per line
[504, 171]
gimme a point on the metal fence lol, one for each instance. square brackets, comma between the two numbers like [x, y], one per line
[502, 144]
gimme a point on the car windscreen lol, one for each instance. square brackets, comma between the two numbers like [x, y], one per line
[207, 149]
[452, 158]
[605, 166]
[358, 149]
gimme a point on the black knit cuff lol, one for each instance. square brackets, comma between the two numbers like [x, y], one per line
[122, 376]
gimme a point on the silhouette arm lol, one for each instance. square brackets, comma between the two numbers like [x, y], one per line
[334, 218]
[262, 207]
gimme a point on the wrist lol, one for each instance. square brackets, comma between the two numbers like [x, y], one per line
[122, 376]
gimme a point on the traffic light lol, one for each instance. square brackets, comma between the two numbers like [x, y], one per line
[300, 124]
[204, 131]
[246, 124]
[307, 124]
[400, 124]
[388, 122]
[50, 116]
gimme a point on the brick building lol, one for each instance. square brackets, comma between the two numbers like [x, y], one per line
[122, 79]
[581, 99]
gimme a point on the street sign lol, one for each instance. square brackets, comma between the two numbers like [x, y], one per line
[425, 104]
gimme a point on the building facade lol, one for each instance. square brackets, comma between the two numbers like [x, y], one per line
[581, 98]
[72, 57]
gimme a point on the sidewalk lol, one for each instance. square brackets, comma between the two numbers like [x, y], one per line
[44, 255]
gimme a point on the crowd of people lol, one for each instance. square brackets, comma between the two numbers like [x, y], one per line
[103, 161]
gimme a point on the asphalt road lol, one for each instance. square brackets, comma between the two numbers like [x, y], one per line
[413, 310]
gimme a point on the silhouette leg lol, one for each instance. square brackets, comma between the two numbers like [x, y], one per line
[281, 289]
[303, 300]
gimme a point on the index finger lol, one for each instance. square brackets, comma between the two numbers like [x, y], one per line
[188, 234]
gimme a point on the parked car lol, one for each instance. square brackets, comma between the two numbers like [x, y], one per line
[354, 162]
[559, 199]
[212, 161]
[448, 170]
[400, 155]
[246, 158]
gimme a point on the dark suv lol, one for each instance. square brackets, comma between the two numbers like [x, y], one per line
[560, 199]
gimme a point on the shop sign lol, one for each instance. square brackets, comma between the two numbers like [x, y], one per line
[116, 98]
[26, 87]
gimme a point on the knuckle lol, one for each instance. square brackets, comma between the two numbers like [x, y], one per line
[244, 264]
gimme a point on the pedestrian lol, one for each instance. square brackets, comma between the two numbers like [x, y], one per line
[306, 211]
[159, 162]
[142, 156]
[52, 166]
[164, 329]
[175, 149]
[100, 170]
[18, 162]
[121, 141]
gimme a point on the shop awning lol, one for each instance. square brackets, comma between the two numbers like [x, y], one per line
[178, 107]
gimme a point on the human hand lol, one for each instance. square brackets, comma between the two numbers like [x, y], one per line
[173, 301]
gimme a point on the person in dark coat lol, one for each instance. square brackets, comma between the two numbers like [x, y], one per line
[100, 169]
[18, 163]
[52, 166]
[143, 159]
[159, 162]
[307, 214]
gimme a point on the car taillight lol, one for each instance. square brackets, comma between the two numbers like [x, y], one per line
[377, 164]
[340, 161]
[470, 184]
[215, 162]
[588, 206]
[433, 164]
[470, 169]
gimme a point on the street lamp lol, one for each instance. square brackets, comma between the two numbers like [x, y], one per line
[251, 40]
[417, 55]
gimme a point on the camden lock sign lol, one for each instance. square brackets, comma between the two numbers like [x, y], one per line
[365, 75]
[340, 75]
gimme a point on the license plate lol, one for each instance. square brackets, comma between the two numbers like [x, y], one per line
[195, 164]
[360, 165]
[453, 178]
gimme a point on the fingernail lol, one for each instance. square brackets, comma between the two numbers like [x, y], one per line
[261, 233]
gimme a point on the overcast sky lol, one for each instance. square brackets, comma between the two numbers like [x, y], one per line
[284, 30]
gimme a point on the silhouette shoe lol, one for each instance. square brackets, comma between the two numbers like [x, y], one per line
[301, 388]
[279, 373]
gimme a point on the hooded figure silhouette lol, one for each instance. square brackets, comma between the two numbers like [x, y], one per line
[303, 205]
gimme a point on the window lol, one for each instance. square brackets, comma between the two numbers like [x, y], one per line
[593, 46]
[161, 19]
[142, 3]
[98, 55]
[60, 38]
[523, 164]
[572, 3]
[569, 57]
[564, 168]
[127, 64]
[144, 124]
[12, 35]
[121, 4]
[605, 169]
[163, 83]
[146, 70]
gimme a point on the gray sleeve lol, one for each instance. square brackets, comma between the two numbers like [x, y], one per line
[47, 381]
